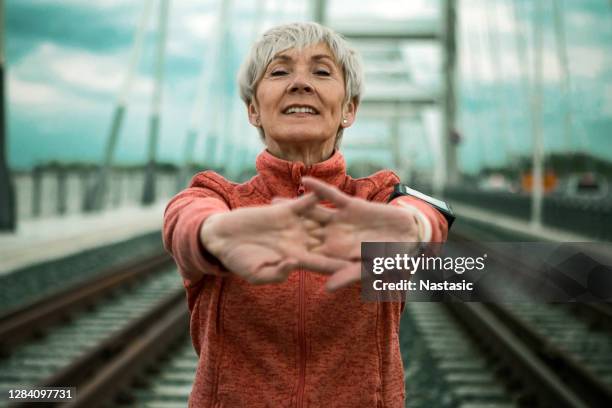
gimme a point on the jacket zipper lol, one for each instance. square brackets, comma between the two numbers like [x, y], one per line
[302, 340]
[219, 328]
[302, 329]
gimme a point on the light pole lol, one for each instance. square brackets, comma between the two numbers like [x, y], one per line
[449, 147]
[7, 191]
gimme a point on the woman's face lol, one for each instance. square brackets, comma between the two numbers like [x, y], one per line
[300, 96]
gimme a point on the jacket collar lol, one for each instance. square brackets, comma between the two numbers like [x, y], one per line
[284, 178]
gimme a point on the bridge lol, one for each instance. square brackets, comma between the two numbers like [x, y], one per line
[500, 107]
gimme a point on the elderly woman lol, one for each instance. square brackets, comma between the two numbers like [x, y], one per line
[270, 266]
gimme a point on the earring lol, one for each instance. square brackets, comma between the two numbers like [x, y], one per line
[344, 121]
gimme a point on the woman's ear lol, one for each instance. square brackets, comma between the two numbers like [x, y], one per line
[253, 115]
[348, 114]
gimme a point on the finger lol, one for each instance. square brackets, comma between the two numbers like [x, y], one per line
[310, 225]
[324, 248]
[280, 200]
[286, 267]
[274, 273]
[320, 214]
[312, 243]
[317, 233]
[321, 263]
[304, 203]
[344, 277]
[327, 192]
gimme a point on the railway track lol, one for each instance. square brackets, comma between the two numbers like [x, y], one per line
[580, 353]
[470, 379]
[96, 336]
[477, 371]
[121, 340]
[167, 384]
[34, 282]
[492, 355]
[522, 354]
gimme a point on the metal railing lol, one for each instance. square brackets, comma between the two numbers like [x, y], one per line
[588, 216]
[53, 191]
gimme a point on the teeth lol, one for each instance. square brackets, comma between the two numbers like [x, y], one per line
[295, 109]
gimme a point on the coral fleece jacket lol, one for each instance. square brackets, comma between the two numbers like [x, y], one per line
[290, 344]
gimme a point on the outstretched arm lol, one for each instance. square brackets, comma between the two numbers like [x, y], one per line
[264, 244]
[354, 220]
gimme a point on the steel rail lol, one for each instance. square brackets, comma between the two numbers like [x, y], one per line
[124, 367]
[31, 319]
[598, 313]
[110, 366]
[525, 363]
[571, 371]
[566, 381]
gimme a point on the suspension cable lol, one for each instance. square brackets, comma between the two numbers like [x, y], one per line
[471, 51]
[522, 57]
[536, 123]
[148, 194]
[197, 113]
[473, 71]
[494, 56]
[95, 195]
[561, 42]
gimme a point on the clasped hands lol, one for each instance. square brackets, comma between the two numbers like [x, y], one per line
[265, 244]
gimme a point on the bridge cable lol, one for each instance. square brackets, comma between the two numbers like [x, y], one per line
[467, 90]
[198, 111]
[212, 144]
[473, 61]
[492, 40]
[522, 56]
[94, 196]
[536, 123]
[148, 194]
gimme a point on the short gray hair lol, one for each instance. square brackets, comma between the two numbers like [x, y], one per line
[300, 35]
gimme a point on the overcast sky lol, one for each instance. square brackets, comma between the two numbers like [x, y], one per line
[67, 60]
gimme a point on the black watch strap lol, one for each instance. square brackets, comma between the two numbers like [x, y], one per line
[443, 207]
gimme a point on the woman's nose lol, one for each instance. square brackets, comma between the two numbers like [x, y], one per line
[300, 84]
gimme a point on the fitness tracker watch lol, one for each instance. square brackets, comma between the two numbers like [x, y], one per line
[441, 206]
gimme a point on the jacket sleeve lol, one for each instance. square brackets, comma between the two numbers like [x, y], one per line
[434, 223]
[183, 218]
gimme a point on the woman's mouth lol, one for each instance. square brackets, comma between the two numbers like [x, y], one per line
[300, 111]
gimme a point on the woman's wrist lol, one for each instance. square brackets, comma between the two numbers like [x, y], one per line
[209, 233]
[423, 225]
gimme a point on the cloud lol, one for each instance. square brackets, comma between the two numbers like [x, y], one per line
[474, 15]
[200, 25]
[589, 62]
[424, 60]
[97, 4]
[30, 23]
[588, 59]
[68, 58]
[606, 108]
[586, 63]
[383, 9]
[80, 70]
[580, 19]
[30, 93]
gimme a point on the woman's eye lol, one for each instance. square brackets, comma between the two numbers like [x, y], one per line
[278, 73]
[322, 72]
